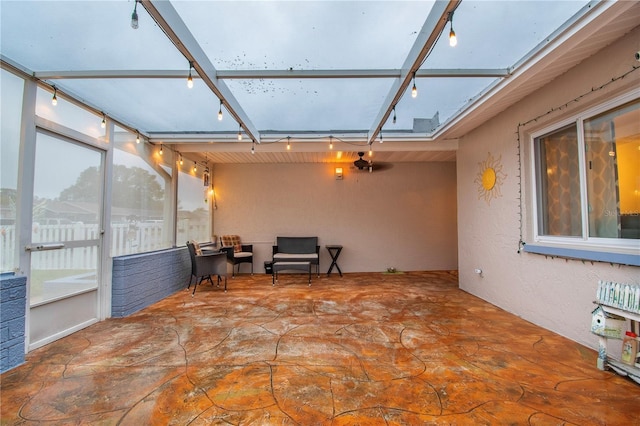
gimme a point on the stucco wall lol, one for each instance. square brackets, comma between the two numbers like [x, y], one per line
[403, 217]
[552, 292]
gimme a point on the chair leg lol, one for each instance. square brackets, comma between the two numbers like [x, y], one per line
[225, 283]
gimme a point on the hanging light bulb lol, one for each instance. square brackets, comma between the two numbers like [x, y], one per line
[453, 40]
[240, 133]
[181, 160]
[190, 79]
[370, 150]
[394, 114]
[195, 167]
[134, 16]
[381, 141]
[253, 147]
[54, 100]
[414, 89]
[161, 152]
[330, 142]
[288, 143]
[137, 137]
[103, 123]
[220, 111]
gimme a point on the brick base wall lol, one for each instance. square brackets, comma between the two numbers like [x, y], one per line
[142, 279]
[13, 304]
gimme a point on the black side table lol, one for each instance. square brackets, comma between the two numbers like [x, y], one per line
[334, 252]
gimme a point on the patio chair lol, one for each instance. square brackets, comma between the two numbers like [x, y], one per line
[237, 253]
[204, 265]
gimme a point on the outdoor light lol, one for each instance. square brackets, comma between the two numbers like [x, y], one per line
[195, 167]
[137, 137]
[330, 142]
[103, 124]
[181, 161]
[134, 16]
[394, 114]
[240, 132]
[288, 143]
[54, 100]
[220, 111]
[414, 89]
[253, 147]
[190, 79]
[370, 150]
[453, 40]
[161, 152]
[381, 136]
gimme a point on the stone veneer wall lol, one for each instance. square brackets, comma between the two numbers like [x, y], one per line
[13, 303]
[140, 280]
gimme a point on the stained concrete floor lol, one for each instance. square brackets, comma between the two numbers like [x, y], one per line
[365, 349]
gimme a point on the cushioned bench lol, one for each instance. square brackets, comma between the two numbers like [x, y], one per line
[296, 250]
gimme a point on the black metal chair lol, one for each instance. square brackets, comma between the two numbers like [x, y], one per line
[237, 252]
[203, 266]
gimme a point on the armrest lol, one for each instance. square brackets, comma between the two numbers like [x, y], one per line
[228, 251]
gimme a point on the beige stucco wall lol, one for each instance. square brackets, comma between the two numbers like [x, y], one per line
[404, 216]
[552, 292]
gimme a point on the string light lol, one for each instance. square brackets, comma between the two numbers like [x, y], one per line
[54, 100]
[137, 137]
[190, 79]
[330, 142]
[240, 132]
[288, 143]
[134, 16]
[453, 40]
[394, 114]
[220, 111]
[161, 152]
[103, 124]
[414, 89]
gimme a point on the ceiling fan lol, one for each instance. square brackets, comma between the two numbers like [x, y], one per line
[369, 165]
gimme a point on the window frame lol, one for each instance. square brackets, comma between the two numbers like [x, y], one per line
[576, 245]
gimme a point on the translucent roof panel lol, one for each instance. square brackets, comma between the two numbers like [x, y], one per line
[497, 34]
[164, 105]
[305, 34]
[311, 104]
[89, 50]
[87, 35]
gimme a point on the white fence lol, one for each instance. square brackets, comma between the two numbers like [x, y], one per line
[125, 239]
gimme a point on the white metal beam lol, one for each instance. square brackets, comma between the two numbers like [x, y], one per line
[272, 74]
[168, 19]
[427, 38]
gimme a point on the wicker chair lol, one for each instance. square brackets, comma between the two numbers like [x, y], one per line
[203, 266]
[237, 253]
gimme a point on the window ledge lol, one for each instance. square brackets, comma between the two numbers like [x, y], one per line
[596, 256]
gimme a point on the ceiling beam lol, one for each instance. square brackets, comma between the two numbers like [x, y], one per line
[427, 38]
[168, 19]
[273, 74]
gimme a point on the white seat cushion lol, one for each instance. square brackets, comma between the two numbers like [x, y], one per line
[286, 256]
[242, 254]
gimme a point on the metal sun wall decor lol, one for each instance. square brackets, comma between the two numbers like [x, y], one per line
[490, 178]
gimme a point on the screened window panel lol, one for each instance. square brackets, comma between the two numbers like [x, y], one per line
[559, 212]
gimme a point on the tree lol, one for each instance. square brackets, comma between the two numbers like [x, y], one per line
[132, 187]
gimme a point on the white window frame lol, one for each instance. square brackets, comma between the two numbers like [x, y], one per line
[613, 245]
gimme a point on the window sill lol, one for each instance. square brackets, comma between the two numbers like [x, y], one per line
[594, 256]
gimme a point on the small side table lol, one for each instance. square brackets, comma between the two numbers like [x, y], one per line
[334, 252]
